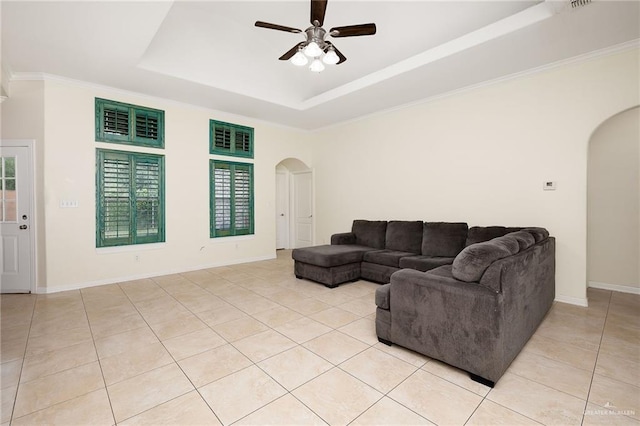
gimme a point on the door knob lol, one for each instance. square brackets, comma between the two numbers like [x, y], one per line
[23, 227]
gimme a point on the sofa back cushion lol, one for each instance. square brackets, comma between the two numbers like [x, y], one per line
[525, 239]
[471, 263]
[404, 236]
[442, 239]
[538, 234]
[479, 234]
[370, 233]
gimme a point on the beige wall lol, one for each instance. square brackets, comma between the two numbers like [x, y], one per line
[69, 174]
[481, 157]
[614, 203]
[22, 117]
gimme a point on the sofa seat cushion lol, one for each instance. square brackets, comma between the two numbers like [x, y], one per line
[424, 263]
[442, 239]
[474, 260]
[386, 257]
[370, 233]
[404, 236]
[382, 296]
[329, 256]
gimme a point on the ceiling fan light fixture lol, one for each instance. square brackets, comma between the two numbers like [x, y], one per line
[312, 50]
[299, 59]
[331, 58]
[316, 65]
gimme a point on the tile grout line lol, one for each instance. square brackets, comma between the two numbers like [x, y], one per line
[93, 341]
[595, 365]
[24, 355]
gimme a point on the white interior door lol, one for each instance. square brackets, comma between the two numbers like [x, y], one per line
[282, 210]
[303, 208]
[15, 220]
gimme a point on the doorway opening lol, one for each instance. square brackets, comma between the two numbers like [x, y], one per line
[294, 204]
[613, 204]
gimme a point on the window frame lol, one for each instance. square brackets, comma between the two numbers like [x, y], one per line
[132, 238]
[133, 112]
[232, 231]
[231, 151]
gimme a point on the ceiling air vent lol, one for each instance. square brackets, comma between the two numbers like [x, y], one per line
[579, 3]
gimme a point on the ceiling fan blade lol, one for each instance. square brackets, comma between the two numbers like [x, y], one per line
[353, 30]
[290, 53]
[277, 27]
[318, 8]
[340, 55]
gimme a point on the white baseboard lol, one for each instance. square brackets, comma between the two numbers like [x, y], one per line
[615, 287]
[573, 301]
[79, 286]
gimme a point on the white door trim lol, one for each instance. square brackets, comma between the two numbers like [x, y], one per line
[286, 194]
[294, 236]
[30, 145]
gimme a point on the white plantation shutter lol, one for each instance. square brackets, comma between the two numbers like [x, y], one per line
[242, 198]
[147, 125]
[231, 198]
[222, 137]
[147, 197]
[243, 141]
[115, 206]
[130, 198]
[222, 194]
[116, 121]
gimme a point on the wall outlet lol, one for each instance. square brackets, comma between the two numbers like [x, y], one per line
[549, 185]
[137, 258]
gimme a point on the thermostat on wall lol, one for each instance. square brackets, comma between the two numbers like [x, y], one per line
[549, 185]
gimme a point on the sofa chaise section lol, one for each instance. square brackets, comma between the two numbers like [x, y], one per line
[341, 261]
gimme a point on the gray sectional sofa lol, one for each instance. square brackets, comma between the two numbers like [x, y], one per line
[470, 297]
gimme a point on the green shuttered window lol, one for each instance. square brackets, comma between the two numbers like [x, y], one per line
[130, 198]
[230, 139]
[231, 198]
[129, 124]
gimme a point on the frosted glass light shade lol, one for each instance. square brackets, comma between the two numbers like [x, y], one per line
[316, 66]
[312, 50]
[299, 59]
[331, 57]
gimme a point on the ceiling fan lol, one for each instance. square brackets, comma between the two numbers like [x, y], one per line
[315, 46]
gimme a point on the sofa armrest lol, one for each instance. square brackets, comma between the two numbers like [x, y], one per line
[343, 238]
[456, 322]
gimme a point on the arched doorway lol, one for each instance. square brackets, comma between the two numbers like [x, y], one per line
[294, 204]
[613, 204]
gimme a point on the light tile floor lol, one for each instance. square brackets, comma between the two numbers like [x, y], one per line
[250, 344]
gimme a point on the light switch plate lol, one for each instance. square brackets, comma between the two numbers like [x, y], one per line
[68, 204]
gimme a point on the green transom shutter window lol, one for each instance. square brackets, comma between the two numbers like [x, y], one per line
[230, 139]
[129, 124]
[231, 199]
[130, 194]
